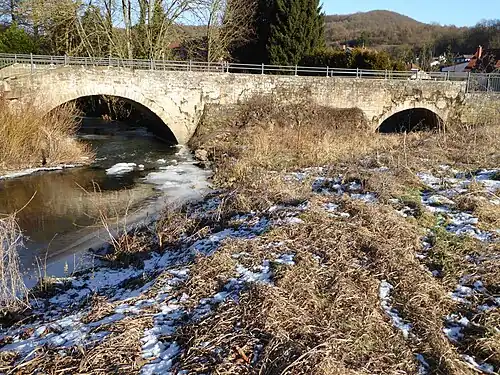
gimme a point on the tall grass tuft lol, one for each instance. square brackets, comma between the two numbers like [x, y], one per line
[13, 292]
[32, 138]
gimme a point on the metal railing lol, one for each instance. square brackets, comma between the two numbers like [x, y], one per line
[480, 82]
[32, 64]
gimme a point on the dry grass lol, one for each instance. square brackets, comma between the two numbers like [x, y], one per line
[13, 292]
[172, 226]
[130, 248]
[253, 144]
[118, 353]
[479, 203]
[130, 244]
[32, 138]
[323, 316]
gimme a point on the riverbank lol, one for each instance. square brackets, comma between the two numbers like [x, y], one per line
[327, 250]
[34, 140]
[132, 178]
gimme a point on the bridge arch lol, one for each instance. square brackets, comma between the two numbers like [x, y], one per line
[95, 106]
[128, 93]
[409, 118]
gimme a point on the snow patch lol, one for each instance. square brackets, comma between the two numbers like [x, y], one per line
[26, 172]
[484, 367]
[185, 176]
[385, 290]
[121, 168]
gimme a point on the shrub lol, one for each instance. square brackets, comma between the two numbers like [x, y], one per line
[356, 58]
[16, 40]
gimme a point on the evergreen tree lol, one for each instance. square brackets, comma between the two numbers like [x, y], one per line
[255, 49]
[296, 29]
[16, 40]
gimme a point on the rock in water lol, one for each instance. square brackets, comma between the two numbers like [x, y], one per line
[201, 155]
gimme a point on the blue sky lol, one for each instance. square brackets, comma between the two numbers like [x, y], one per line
[458, 12]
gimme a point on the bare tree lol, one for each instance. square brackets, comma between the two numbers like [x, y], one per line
[139, 28]
[127, 19]
[229, 22]
[9, 10]
[57, 19]
[160, 25]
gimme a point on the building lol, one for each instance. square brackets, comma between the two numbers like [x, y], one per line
[484, 60]
[462, 59]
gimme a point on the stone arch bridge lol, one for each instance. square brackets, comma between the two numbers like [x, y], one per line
[178, 98]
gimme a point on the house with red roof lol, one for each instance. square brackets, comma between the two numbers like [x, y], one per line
[484, 61]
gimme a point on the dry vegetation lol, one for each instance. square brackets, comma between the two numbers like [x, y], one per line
[255, 143]
[323, 316]
[118, 353]
[13, 293]
[32, 138]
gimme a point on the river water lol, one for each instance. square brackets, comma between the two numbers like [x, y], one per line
[132, 171]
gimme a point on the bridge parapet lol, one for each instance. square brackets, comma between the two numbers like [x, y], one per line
[475, 82]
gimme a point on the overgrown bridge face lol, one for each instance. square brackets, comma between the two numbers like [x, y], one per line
[178, 97]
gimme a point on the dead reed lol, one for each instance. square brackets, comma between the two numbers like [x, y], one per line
[13, 292]
[33, 138]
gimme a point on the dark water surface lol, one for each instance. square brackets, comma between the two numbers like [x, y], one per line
[64, 203]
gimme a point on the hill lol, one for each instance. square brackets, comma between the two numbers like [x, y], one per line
[383, 29]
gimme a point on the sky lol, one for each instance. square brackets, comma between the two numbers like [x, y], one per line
[458, 12]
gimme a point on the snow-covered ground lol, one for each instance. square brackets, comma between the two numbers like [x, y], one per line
[26, 172]
[439, 199]
[59, 322]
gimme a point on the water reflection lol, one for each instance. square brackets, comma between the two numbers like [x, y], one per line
[64, 201]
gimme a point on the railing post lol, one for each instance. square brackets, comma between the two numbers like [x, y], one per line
[327, 71]
[109, 60]
[31, 63]
[190, 65]
[295, 69]
[385, 74]
[357, 72]
[150, 64]
[15, 58]
[262, 69]
[65, 59]
[448, 75]
[488, 83]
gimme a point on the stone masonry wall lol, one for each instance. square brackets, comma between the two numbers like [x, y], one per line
[178, 98]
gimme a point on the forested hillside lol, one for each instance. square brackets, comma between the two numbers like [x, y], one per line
[395, 32]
